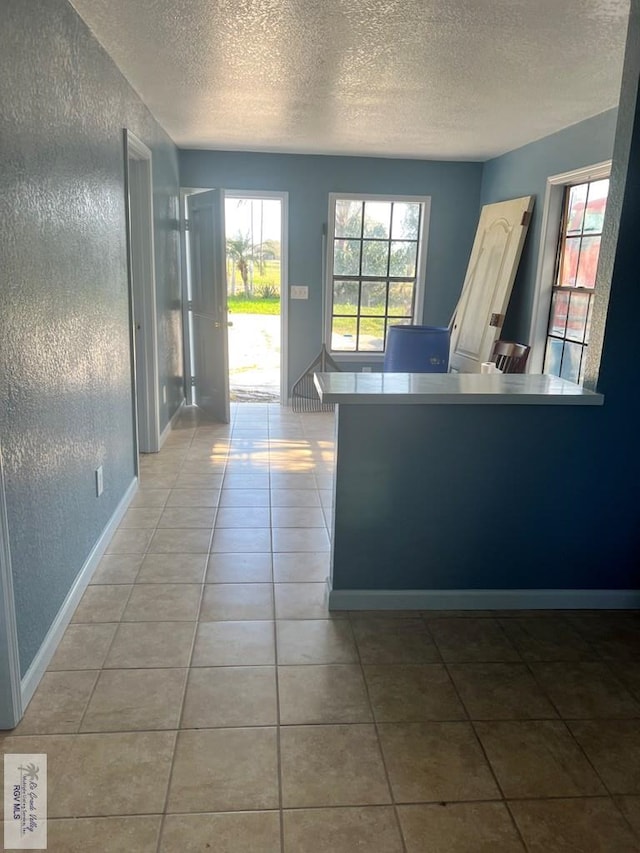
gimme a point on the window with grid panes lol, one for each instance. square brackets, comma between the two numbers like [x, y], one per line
[575, 279]
[374, 270]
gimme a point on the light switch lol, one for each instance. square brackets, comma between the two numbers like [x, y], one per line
[299, 291]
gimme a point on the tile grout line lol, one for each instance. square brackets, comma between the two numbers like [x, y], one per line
[188, 669]
[484, 800]
[581, 749]
[184, 693]
[559, 718]
[190, 658]
[277, 670]
[160, 828]
[376, 727]
[477, 737]
[179, 728]
[115, 633]
[310, 725]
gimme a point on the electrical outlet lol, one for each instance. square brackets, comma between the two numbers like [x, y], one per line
[299, 291]
[164, 394]
[366, 370]
[99, 481]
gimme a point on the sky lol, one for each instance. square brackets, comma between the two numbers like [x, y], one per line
[241, 213]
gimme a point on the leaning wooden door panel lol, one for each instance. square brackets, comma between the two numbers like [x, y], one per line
[488, 283]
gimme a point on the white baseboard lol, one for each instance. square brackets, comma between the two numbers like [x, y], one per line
[41, 661]
[167, 430]
[11, 694]
[483, 599]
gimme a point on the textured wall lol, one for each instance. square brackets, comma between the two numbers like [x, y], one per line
[525, 172]
[455, 194]
[65, 379]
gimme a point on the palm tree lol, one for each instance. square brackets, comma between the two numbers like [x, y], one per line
[271, 250]
[241, 252]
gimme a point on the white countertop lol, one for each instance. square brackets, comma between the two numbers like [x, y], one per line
[452, 388]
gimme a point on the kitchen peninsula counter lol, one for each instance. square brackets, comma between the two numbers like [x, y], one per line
[433, 507]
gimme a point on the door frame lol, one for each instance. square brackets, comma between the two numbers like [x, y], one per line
[142, 289]
[283, 197]
[187, 354]
[549, 233]
[11, 708]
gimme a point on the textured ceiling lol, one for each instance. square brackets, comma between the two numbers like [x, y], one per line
[454, 79]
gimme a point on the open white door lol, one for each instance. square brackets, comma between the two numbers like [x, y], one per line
[488, 283]
[207, 273]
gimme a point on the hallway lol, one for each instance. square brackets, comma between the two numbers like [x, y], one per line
[204, 698]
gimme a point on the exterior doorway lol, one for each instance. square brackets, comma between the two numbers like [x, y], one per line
[256, 276]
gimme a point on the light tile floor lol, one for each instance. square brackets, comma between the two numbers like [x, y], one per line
[204, 699]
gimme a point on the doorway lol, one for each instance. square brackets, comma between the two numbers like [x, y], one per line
[255, 245]
[144, 330]
[226, 285]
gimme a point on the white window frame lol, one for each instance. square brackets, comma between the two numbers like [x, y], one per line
[549, 235]
[421, 266]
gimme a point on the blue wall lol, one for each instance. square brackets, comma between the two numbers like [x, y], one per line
[65, 374]
[482, 497]
[455, 196]
[525, 172]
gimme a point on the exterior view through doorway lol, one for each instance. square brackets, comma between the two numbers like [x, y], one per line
[255, 245]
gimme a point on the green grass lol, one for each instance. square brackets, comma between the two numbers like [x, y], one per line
[259, 304]
[239, 305]
[369, 323]
[368, 326]
[271, 277]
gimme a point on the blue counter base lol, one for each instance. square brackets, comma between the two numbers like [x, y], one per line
[484, 497]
